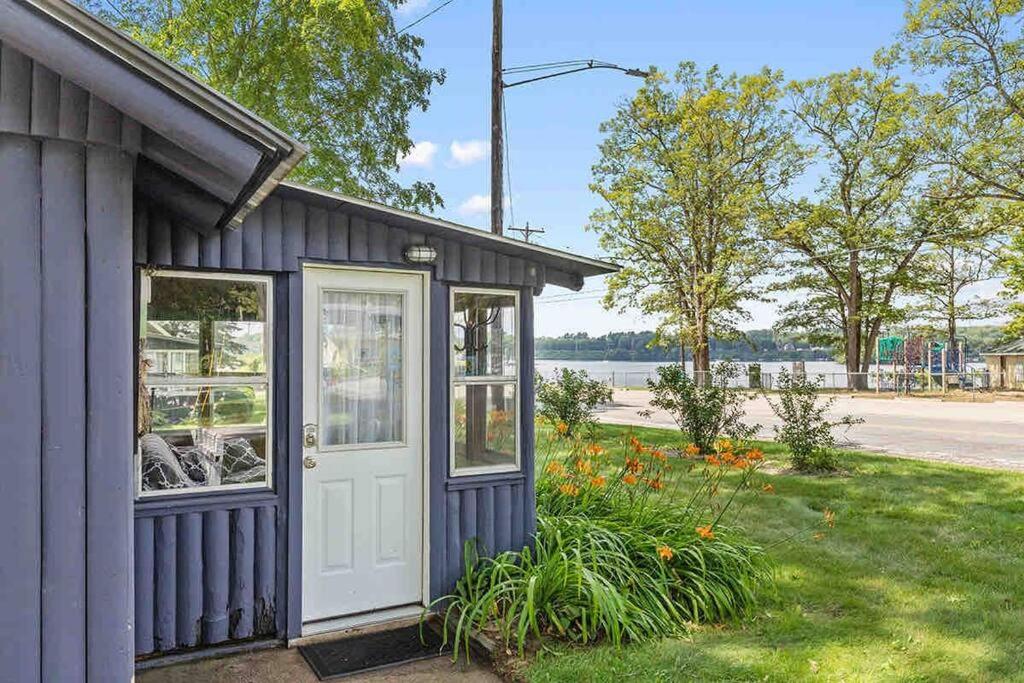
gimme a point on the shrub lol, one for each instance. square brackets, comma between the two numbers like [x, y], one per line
[570, 399]
[615, 555]
[705, 411]
[806, 429]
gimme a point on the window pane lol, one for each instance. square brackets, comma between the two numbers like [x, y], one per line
[201, 326]
[485, 425]
[361, 378]
[484, 334]
[201, 436]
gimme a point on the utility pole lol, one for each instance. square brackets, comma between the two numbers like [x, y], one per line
[497, 144]
[527, 231]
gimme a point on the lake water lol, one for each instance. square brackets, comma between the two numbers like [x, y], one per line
[635, 374]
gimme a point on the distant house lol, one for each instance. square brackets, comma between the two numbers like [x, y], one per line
[232, 408]
[1006, 365]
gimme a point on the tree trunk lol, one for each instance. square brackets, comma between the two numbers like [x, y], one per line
[701, 361]
[857, 381]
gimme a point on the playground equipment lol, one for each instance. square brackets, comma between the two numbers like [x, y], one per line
[914, 362]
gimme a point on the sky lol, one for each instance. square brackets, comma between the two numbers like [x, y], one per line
[553, 125]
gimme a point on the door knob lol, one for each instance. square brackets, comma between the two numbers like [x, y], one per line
[309, 462]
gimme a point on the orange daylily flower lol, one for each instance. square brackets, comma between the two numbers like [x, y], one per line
[634, 465]
[583, 466]
[705, 532]
[555, 468]
[629, 479]
[755, 454]
[569, 489]
[657, 484]
[768, 488]
[692, 450]
[659, 455]
[598, 481]
[595, 450]
[664, 552]
[562, 428]
[713, 460]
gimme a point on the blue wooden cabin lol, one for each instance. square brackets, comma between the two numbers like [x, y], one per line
[234, 409]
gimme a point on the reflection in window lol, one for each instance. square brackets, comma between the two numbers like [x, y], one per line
[361, 394]
[484, 334]
[485, 381]
[204, 392]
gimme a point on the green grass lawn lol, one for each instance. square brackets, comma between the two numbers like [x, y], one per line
[922, 578]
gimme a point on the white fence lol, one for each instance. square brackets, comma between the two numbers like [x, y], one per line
[885, 381]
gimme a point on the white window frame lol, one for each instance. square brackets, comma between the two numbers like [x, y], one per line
[513, 381]
[267, 379]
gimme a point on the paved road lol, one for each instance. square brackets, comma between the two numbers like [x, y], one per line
[981, 434]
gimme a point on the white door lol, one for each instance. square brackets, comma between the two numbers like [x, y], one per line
[363, 403]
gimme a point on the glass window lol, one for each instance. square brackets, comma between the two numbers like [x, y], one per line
[204, 404]
[485, 381]
[361, 395]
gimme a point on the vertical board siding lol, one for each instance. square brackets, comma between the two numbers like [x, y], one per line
[189, 597]
[20, 398]
[165, 583]
[185, 250]
[337, 237]
[109, 401]
[15, 90]
[272, 232]
[144, 585]
[209, 250]
[316, 233]
[243, 559]
[231, 249]
[45, 102]
[279, 233]
[202, 578]
[64, 400]
[252, 241]
[216, 576]
[265, 571]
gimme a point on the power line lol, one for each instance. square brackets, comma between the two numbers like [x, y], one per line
[809, 260]
[508, 161]
[425, 16]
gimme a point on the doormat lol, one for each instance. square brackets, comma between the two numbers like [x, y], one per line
[356, 654]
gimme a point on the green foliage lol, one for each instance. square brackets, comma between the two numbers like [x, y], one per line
[705, 409]
[856, 238]
[924, 564]
[570, 398]
[976, 125]
[642, 346]
[614, 560]
[333, 73]
[683, 169]
[806, 428]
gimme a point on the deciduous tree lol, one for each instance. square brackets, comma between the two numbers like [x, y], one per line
[685, 166]
[333, 73]
[852, 244]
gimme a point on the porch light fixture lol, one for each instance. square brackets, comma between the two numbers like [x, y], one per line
[420, 254]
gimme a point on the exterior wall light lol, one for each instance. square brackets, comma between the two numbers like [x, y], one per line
[420, 254]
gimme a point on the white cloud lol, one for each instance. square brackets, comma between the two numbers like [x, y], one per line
[477, 204]
[466, 152]
[421, 154]
[410, 6]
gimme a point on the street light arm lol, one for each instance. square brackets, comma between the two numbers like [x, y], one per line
[590, 65]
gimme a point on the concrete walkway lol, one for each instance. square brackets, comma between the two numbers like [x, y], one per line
[980, 434]
[286, 665]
